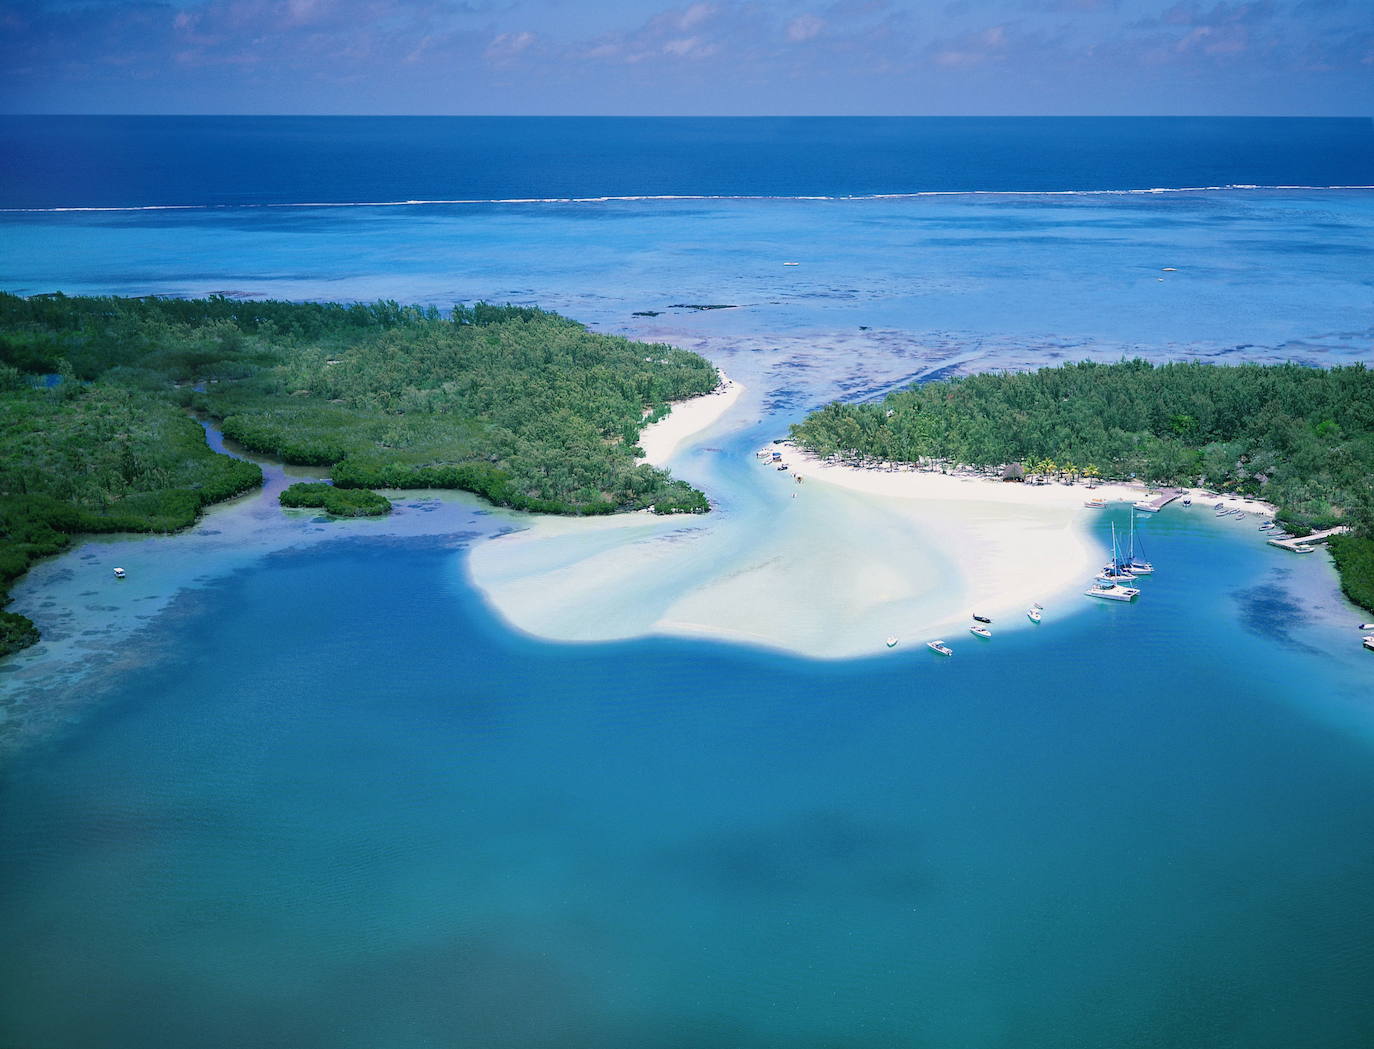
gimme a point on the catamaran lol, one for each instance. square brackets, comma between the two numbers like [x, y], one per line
[1113, 592]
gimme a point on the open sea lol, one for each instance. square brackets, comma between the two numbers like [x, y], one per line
[295, 784]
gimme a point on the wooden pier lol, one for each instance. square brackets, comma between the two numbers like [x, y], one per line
[1293, 543]
[1157, 501]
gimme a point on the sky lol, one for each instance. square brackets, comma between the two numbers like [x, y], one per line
[642, 57]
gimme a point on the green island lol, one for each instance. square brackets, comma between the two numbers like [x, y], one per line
[522, 406]
[338, 502]
[1301, 438]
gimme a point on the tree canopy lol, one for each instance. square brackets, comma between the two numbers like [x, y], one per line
[522, 406]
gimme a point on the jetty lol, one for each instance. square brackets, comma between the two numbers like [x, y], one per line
[1157, 501]
[1294, 542]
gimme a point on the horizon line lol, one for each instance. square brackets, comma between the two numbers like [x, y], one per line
[730, 116]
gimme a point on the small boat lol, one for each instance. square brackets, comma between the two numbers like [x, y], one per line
[1367, 626]
[1037, 604]
[1095, 503]
[1034, 614]
[941, 647]
[1303, 548]
[782, 467]
[981, 619]
[119, 573]
[1146, 507]
[1219, 506]
[1368, 642]
[891, 642]
[980, 631]
[791, 263]
[1112, 592]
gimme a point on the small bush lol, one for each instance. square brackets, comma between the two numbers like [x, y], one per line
[338, 502]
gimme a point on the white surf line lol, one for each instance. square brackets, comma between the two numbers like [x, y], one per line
[631, 198]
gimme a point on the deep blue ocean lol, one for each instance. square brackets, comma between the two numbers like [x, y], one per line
[144, 161]
[296, 784]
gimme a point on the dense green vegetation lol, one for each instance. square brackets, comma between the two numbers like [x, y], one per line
[1301, 438]
[1354, 557]
[80, 458]
[340, 502]
[522, 406]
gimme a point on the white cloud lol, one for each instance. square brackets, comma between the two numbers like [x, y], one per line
[804, 27]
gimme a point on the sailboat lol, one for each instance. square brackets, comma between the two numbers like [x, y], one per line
[1136, 563]
[1117, 570]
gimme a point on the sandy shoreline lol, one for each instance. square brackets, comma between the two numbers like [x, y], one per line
[687, 419]
[911, 483]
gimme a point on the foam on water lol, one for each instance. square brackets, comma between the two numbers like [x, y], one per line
[633, 198]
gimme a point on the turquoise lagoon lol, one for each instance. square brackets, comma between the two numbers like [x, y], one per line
[296, 784]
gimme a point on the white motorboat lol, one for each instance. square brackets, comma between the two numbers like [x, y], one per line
[891, 642]
[1095, 503]
[119, 573]
[980, 631]
[940, 647]
[1033, 614]
[1368, 642]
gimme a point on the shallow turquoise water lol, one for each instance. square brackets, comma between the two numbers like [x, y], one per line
[354, 811]
[325, 799]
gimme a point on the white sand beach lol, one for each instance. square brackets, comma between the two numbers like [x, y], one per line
[826, 561]
[687, 419]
